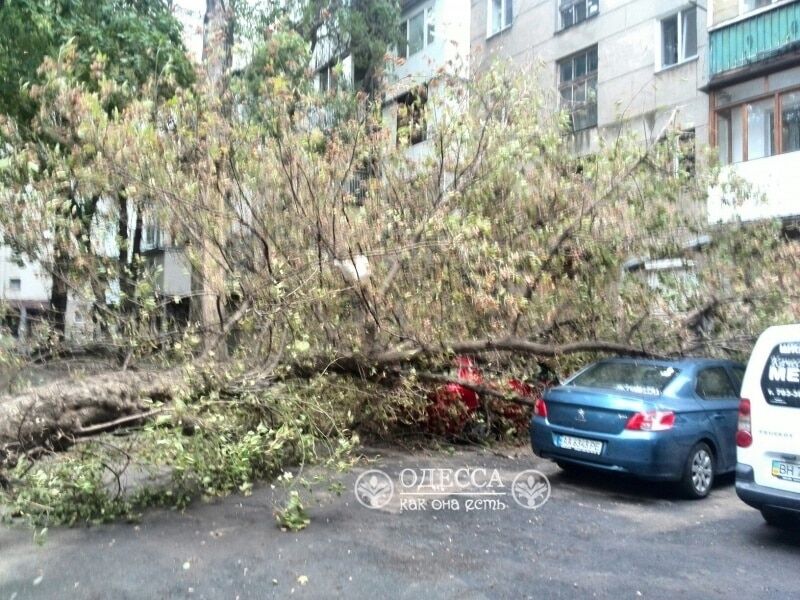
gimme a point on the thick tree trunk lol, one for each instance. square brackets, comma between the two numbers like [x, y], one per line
[52, 415]
[217, 57]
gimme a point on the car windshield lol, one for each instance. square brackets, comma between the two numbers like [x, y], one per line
[627, 377]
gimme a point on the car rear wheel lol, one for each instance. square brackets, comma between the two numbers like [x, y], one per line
[698, 474]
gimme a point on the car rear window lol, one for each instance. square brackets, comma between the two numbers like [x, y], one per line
[780, 381]
[628, 377]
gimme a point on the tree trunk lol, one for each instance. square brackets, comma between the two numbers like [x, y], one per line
[51, 416]
[217, 57]
[59, 296]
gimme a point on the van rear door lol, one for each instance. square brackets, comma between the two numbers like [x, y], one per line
[772, 383]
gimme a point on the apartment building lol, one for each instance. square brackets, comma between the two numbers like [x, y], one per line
[754, 106]
[437, 38]
[610, 63]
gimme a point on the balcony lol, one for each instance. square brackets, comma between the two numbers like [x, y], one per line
[773, 182]
[762, 37]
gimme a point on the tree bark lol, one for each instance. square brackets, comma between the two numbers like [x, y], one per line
[218, 58]
[51, 416]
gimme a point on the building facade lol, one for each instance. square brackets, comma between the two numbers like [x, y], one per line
[754, 106]
[437, 44]
[610, 63]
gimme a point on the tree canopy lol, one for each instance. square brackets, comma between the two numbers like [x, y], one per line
[130, 41]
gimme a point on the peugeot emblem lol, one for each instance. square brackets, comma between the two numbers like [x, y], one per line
[581, 416]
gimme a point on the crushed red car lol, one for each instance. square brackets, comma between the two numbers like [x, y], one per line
[456, 411]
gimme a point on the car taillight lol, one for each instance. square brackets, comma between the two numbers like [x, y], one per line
[540, 408]
[744, 434]
[651, 420]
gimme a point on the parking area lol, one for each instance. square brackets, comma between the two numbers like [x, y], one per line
[595, 536]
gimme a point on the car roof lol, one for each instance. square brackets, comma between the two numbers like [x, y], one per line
[684, 362]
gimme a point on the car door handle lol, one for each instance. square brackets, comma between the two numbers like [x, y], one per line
[719, 416]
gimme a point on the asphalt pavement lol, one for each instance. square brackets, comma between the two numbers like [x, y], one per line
[451, 525]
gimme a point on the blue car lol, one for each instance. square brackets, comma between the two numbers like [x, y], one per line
[666, 420]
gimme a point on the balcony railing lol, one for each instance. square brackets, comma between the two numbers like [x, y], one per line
[751, 40]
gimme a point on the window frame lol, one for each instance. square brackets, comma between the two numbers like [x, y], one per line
[571, 4]
[507, 6]
[739, 108]
[681, 60]
[14, 284]
[428, 30]
[588, 75]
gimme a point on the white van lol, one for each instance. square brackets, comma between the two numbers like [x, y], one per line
[768, 437]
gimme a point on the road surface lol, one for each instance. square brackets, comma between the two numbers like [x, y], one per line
[596, 536]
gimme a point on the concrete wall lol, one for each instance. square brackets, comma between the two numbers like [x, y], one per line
[632, 88]
[34, 281]
[449, 50]
[775, 181]
[175, 278]
[723, 10]
[449, 53]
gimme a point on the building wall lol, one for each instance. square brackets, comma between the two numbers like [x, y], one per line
[775, 181]
[449, 50]
[723, 10]
[448, 54]
[34, 282]
[632, 88]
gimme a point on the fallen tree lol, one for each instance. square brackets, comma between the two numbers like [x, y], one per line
[499, 243]
[53, 416]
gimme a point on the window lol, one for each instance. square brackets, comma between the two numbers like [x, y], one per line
[418, 32]
[750, 5]
[627, 377]
[152, 235]
[679, 37]
[790, 122]
[327, 79]
[577, 85]
[572, 12]
[14, 285]
[685, 157]
[714, 383]
[759, 128]
[412, 127]
[738, 376]
[500, 16]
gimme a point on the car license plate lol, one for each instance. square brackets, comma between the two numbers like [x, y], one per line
[580, 444]
[786, 470]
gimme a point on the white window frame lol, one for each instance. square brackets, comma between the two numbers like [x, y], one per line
[15, 284]
[572, 4]
[428, 30]
[660, 37]
[490, 30]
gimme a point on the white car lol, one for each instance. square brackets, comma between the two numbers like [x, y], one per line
[768, 436]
